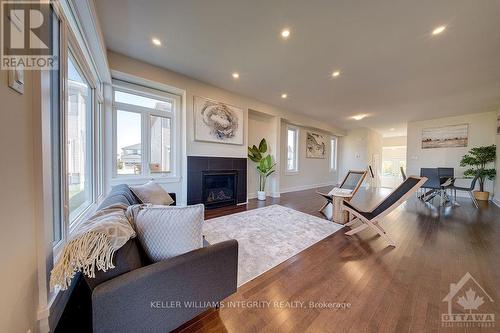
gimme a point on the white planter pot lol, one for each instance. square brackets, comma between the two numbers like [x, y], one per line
[261, 195]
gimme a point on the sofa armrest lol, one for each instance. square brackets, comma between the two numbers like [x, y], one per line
[162, 296]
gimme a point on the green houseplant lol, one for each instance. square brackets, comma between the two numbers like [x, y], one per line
[265, 166]
[478, 159]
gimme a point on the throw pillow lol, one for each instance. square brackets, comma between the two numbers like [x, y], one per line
[152, 193]
[165, 232]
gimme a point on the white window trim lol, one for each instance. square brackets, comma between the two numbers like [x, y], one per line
[334, 158]
[174, 115]
[296, 170]
[48, 250]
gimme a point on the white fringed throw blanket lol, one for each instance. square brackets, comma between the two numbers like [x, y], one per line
[93, 245]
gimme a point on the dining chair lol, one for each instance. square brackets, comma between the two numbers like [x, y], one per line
[469, 190]
[432, 185]
[403, 174]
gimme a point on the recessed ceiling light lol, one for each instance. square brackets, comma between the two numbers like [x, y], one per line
[284, 96]
[336, 73]
[359, 116]
[392, 129]
[285, 33]
[156, 41]
[439, 30]
[236, 75]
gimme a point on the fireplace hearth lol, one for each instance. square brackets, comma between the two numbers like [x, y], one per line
[216, 181]
[219, 188]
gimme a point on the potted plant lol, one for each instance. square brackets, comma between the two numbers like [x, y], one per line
[478, 158]
[265, 166]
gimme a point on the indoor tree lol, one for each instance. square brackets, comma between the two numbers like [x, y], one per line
[478, 159]
[265, 165]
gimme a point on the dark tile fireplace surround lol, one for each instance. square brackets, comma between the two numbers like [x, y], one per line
[216, 181]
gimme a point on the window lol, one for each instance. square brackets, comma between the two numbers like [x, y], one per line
[333, 154]
[292, 143]
[78, 141]
[76, 137]
[144, 123]
[55, 135]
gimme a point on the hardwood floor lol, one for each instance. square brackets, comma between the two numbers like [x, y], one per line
[389, 289]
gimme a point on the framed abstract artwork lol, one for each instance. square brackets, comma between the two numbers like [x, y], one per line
[217, 122]
[315, 145]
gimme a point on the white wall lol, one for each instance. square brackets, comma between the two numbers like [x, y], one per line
[358, 149]
[313, 172]
[18, 281]
[394, 141]
[190, 87]
[482, 129]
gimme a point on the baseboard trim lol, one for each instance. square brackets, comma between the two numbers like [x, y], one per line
[306, 187]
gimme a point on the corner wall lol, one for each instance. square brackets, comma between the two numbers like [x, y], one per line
[482, 129]
[18, 281]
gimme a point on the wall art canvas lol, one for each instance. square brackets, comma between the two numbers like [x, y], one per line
[315, 145]
[445, 137]
[498, 125]
[217, 122]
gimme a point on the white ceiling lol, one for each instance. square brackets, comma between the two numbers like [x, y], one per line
[392, 68]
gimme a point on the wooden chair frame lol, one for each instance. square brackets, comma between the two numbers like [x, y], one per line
[329, 198]
[374, 223]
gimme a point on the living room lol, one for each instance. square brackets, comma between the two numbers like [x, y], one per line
[243, 166]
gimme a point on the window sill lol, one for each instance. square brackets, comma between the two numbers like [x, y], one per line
[292, 173]
[137, 180]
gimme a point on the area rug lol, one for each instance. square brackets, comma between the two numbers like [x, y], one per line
[267, 236]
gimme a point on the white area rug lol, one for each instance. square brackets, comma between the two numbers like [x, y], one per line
[267, 236]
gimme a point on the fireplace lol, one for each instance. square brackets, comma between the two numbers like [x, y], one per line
[219, 188]
[228, 174]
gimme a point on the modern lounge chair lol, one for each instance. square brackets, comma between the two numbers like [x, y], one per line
[371, 218]
[351, 182]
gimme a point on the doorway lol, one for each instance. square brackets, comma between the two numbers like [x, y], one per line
[393, 159]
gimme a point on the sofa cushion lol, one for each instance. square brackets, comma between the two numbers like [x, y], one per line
[166, 232]
[152, 193]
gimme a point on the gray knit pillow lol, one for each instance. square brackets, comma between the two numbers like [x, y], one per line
[166, 232]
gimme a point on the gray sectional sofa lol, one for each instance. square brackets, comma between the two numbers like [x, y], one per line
[141, 296]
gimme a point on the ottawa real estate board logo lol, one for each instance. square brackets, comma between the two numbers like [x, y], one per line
[469, 305]
[26, 40]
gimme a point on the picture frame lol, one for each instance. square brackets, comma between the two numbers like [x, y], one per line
[316, 145]
[451, 136]
[217, 122]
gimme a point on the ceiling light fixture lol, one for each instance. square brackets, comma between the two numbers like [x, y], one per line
[336, 73]
[439, 30]
[284, 96]
[392, 129]
[359, 116]
[285, 33]
[236, 75]
[156, 41]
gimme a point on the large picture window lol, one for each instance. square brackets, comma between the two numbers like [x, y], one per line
[144, 131]
[78, 141]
